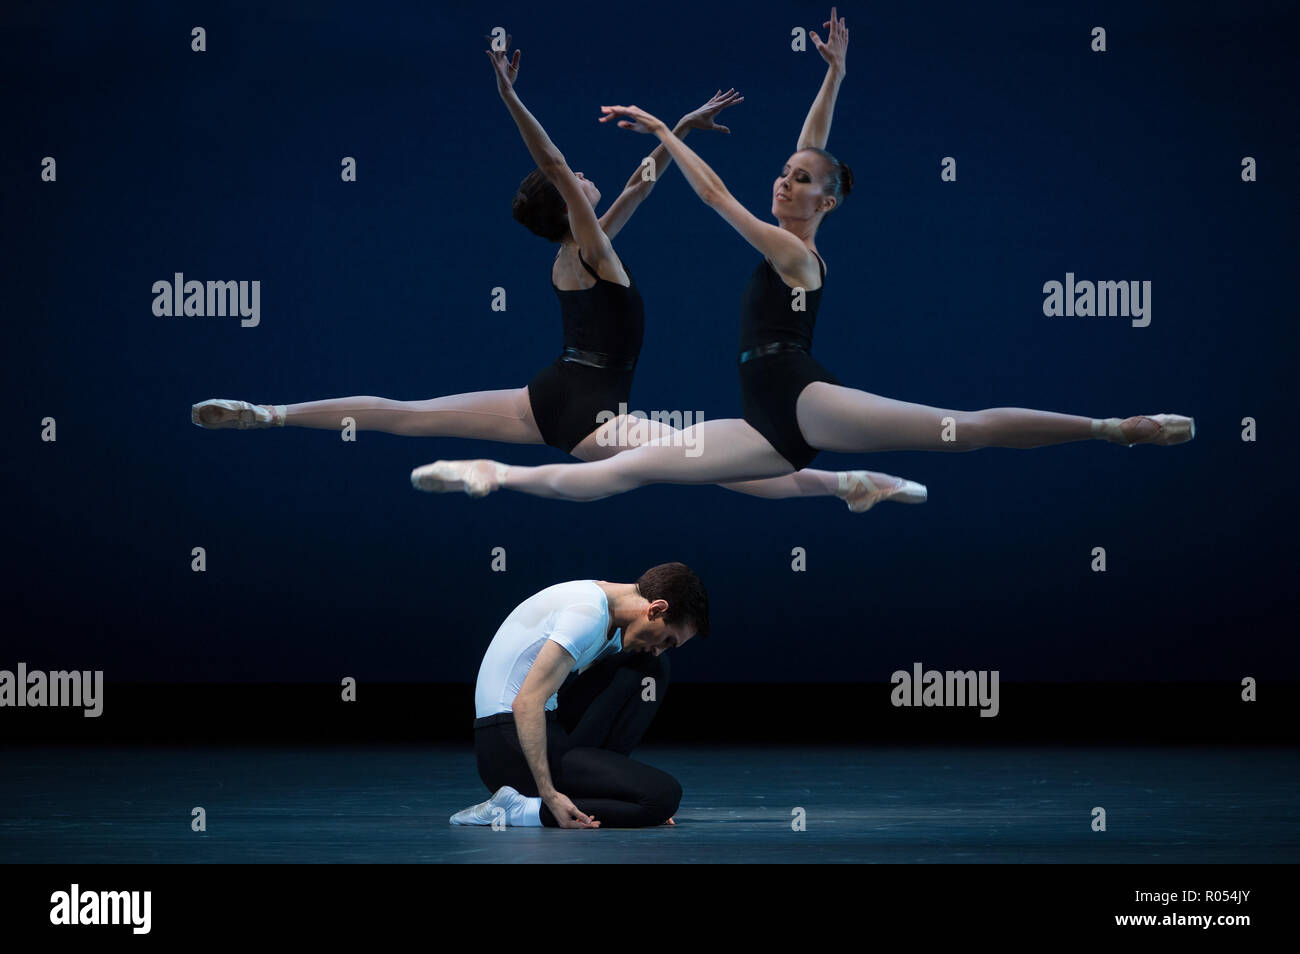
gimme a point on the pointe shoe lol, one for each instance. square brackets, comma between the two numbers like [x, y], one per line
[478, 478]
[1170, 429]
[221, 413]
[861, 493]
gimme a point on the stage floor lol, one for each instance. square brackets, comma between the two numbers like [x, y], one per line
[391, 804]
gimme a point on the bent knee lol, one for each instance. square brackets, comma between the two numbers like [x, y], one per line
[663, 802]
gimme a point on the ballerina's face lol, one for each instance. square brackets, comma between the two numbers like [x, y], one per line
[797, 192]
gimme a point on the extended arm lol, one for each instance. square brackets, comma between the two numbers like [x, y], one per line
[817, 126]
[582, 217]
[786, 252]
[639, 185]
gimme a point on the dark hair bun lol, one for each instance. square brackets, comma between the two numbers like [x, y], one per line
[846, 179]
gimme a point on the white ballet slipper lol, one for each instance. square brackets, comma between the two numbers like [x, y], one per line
[1170, 429]
[478, 478]
[484, 812]
[861, 494]
[221, 413]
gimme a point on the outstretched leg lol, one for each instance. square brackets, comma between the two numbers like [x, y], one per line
[504, 415]
[835, 418]
[487, 415]
[859, 489]
[706, 454]
[831, 417]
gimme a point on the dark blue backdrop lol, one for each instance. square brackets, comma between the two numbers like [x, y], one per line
[323, 562]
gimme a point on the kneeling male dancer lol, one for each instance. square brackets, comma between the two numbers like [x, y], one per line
[557, 755]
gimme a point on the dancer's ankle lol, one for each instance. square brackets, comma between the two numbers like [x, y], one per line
[1108, 429]
[849, 484]
[1140, 429]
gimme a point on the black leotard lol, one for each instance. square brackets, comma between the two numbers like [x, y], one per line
[603, 328]
[775, 361]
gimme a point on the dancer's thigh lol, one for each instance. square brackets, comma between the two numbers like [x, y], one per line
[705, 453]
[502, 415]
[620, 434]
[835, 418]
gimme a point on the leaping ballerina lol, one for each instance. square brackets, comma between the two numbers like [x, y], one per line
[565, 403]
[793, 407]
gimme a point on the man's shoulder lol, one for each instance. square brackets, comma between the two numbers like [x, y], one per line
[579, 612]
[575, 592]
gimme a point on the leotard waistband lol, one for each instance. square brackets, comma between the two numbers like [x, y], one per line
[596, 359]
[773, 348]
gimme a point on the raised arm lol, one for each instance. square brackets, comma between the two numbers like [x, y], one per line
[544, 679]
[786, 252]
[817, 127]
[582, 217]
[639, 186]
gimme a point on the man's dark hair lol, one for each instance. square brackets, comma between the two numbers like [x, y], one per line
[539, 206]
[681, 588]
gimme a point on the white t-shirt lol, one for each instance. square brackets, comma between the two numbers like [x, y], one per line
[575, 615]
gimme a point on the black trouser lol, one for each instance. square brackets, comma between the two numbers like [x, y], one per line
[599, 720]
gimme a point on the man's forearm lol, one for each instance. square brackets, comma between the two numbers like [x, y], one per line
[530, 723]
[817, 126]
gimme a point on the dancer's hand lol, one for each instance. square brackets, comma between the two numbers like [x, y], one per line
[634, 118]
[566, 813]
[703, 117]
[835, 48]
[506, 70]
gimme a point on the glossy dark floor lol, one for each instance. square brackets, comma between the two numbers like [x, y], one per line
[861, 805]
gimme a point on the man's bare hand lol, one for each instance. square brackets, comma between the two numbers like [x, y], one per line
[566, 813]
